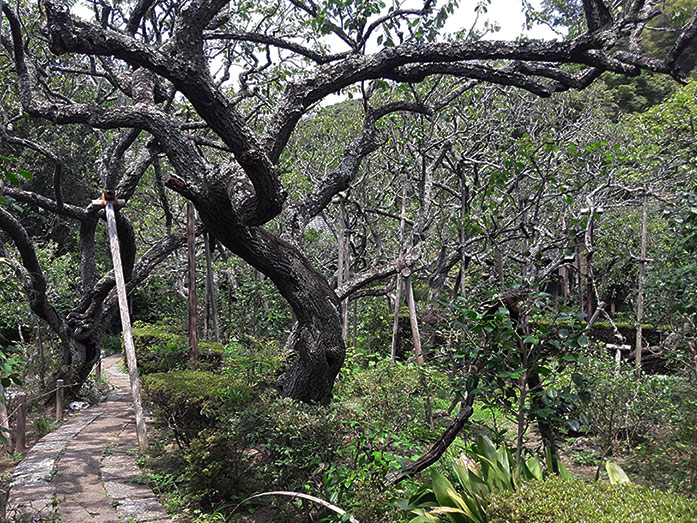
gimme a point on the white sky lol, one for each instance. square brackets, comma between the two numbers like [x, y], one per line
[509, 15]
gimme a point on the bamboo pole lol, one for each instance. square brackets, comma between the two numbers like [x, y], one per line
[141, 431]
[395, 321]
[400, 280]
[411, 305]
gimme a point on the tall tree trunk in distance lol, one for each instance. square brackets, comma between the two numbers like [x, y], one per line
[355, 325]
[400, 282]
[343, 265]
[581, 266]
[642, 275]
[191, 246]
[499, 267]
[211, 298]
[417, 349]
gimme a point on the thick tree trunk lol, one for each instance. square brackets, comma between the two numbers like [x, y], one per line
[316, 341]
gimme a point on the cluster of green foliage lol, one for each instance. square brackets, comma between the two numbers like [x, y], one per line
[158, 349]
[626, 408]
[557, 500]
[190, 400]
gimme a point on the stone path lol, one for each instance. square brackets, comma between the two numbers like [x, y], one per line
[86, 470]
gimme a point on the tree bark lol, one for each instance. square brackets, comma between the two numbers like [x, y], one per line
[315, 344]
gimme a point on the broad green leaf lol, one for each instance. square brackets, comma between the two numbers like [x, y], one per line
[616, 473]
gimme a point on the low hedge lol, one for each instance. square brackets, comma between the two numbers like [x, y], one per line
[558, 501]
[190, 401]
[160, 350]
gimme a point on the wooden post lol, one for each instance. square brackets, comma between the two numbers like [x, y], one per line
[193, 316]
[21, 431]
[59, 400]
[409, 291]
[395, 323]
[141, 431]
[642, 275]
[412, 318]
[98, 369]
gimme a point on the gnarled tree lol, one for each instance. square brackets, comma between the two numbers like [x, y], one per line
[159, 53]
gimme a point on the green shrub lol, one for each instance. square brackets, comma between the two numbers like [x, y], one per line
[558, 501]
[257, 361]
[298, 441]
[394, 395]
[271, 444]
[219, 469]
[158, 349]
[623, 406]
[192, 400]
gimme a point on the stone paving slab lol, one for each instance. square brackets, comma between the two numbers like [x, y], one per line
[124, 490]
[142, 510]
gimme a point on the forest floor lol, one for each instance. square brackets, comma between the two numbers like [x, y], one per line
[86, 470]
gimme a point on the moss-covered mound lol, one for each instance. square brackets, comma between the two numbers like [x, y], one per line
[191, 400]
[158, 349]
[557, 501]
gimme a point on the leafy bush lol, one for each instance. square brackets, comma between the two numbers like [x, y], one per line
[160, 350]
[393, 394]
[190, 401]
[272, 443]
[558, 501]
[218, 468]
[257, 361]
[622, 405]
[298, 441]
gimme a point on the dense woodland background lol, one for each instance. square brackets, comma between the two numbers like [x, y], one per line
[475, 269]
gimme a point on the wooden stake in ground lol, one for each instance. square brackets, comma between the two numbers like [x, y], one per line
[108, 202]
[642, 276]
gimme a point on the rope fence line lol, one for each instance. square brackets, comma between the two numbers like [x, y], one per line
[20, 411]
